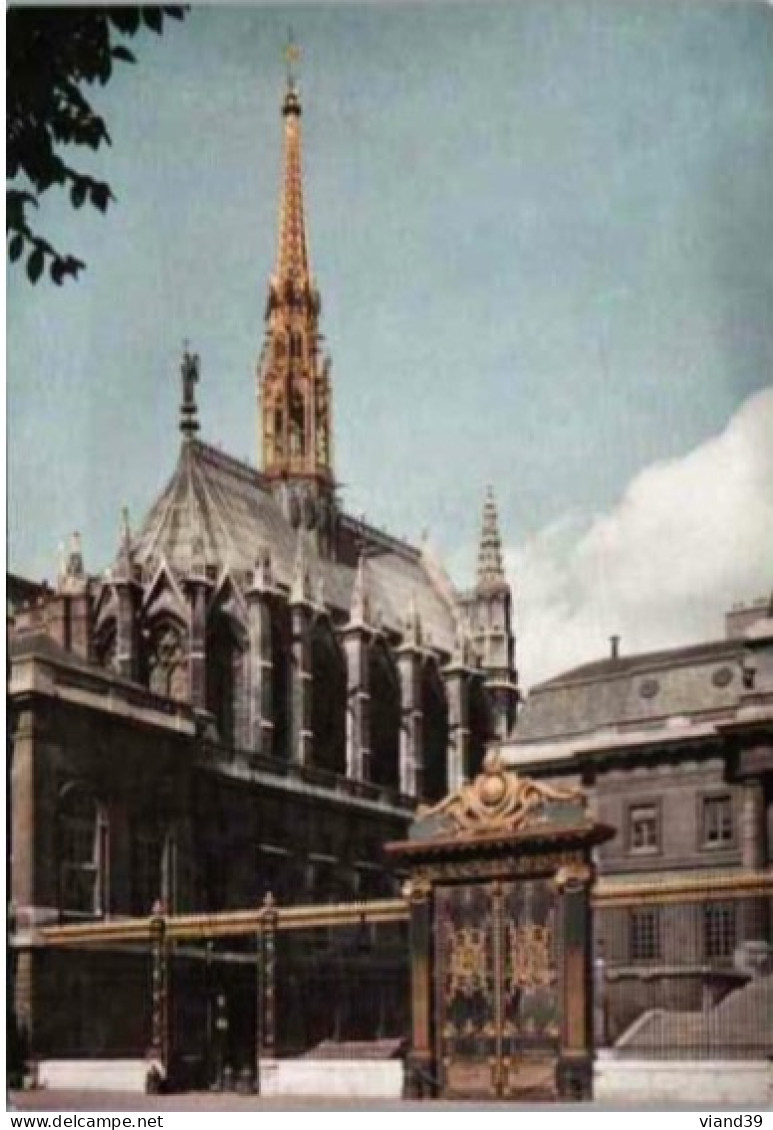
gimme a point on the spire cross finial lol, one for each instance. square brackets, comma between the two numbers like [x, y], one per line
[292, 55]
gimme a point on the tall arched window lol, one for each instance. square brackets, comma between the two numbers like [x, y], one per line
[435, 718]
[82, 852]
[280, 678]
[385, 719]
[167, 660]
[226, 673]
[328, 701]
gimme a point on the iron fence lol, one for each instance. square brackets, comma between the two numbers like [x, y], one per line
[685, 978]
[678, 974]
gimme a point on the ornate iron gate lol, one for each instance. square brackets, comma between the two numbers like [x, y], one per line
[499, 883]
[497, 992]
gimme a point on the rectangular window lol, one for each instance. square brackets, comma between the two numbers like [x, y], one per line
[643, 829]
[718, 930]
[644, 938]
[717, 821]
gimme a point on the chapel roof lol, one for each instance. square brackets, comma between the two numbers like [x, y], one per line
[229, 509]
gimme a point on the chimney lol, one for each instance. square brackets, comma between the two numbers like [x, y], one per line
[614, 647]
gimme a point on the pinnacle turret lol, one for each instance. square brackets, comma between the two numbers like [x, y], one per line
[491, 573]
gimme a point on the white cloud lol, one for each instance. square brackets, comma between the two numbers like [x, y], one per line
[690, 537]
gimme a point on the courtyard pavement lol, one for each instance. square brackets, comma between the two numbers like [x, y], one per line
[50, 1100]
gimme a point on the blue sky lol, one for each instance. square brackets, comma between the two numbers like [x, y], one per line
[542, 232]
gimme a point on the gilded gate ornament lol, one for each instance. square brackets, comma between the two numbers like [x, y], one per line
[498, 800]
[502, 937]
[530, 964]
[467, 960]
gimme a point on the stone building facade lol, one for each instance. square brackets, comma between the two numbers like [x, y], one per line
[256, 693]
[676, 750]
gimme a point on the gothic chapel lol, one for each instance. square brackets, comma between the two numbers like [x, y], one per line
[259, 690]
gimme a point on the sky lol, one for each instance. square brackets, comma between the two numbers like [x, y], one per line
[543, 236]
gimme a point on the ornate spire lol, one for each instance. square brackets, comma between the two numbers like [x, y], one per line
[293, 376]
[126, 530]
[491, 573]
[125, 560]
[292, 260]
[72, 575]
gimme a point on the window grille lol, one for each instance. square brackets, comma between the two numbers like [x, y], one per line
[644, 935]
[718, 930]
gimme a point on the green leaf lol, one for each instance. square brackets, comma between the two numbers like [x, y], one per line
[100, 194]
[125, 19]
[35, 265]
[16, 247]
[153, 18]
[78, 194]
[123, 53]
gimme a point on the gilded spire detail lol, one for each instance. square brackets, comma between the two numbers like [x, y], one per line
[293, 253]
[491, 573]
[293, 375]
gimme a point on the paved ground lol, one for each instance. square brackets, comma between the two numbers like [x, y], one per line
[193, 1100]
[202, 1100]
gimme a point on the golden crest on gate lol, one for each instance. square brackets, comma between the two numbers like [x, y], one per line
[530, 964]
[467, 960]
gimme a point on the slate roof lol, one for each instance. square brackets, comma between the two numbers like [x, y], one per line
[230, 506]
[705, 679]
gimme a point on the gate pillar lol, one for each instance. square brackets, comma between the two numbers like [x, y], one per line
[419, 1075]
[499, 883]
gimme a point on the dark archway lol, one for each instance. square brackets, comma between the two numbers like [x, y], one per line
[434, 707]
[328, 700]
[385, 718]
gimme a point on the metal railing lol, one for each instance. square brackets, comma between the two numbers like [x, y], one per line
[683, 970]
[685, 975]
